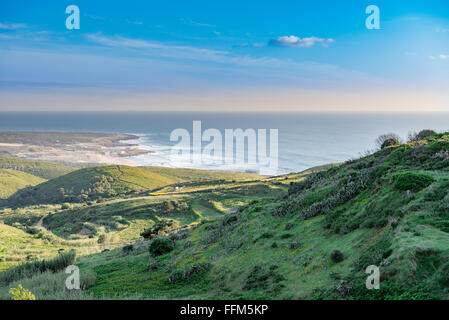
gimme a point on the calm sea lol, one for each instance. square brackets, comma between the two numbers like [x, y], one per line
[305, 139]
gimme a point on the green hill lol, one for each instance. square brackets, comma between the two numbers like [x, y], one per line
[389, 209]
[303, 236]
[42, 169]
[12, 180]
[108, 181]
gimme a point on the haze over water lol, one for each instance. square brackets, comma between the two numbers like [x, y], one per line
[305, 139]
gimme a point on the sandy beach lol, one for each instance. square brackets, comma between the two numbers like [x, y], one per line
[75, 148]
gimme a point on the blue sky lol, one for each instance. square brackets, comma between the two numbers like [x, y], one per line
[270, 55]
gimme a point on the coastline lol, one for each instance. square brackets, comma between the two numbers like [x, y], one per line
[77, 148]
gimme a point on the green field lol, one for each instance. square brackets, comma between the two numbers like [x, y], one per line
[42, 169]
[12, 180]
[163, 233]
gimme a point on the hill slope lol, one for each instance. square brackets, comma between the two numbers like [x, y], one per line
[42, 169]
[389, 209]
[12, 180]
[107, 181]
[314, 241]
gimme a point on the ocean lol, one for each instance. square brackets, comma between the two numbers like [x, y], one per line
[304, 139]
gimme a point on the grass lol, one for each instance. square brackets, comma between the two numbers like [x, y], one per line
[13, 180]
[43, 169]
[258, 237]
[113, 181]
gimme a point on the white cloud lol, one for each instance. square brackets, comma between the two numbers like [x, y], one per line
[12, 26]
[297, 42]
[441, 57]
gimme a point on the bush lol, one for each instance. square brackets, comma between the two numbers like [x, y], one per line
[194, 270]
[411, 181]
[421, 135]
[33, 230]
[20, 293]
[28, 269]
[228, 220]
[262, 278]
[66, 206]
[159, 226]
[388, 140]
[128, 248]
[160, 246]
[337, 256]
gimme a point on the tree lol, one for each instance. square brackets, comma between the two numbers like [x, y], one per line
[388, 140]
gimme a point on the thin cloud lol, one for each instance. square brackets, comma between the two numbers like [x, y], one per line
[196, 24]
[442, 30]
[134, 22]
[156, 48]
[297, 42]
[256, 64]
[247, 45]
[12, 26]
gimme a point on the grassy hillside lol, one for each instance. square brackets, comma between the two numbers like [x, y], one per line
[109, 181]
[12, 180]
[300, 236]
[42, 169]
[389, 209]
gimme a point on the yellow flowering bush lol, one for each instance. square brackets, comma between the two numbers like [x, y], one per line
[20, 293]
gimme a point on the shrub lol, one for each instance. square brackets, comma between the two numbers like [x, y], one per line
[421, 135]
[159, 226]
[160, 246]
[230, 219]
[388, 140]
[194, 270]
[28, 269]
[66, 206]
[128, 248]
[337, 256]
[20, 293]
[33, 230]
[261, 278]
[101, 238]
[411, 181]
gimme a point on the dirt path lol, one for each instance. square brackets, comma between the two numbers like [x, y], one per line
[39, 223]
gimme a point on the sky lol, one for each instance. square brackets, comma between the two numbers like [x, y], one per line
[224, 55]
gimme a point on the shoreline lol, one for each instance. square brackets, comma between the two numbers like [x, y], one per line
[78, 148]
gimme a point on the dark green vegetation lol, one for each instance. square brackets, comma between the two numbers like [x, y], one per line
[300, 236]
[29, 269]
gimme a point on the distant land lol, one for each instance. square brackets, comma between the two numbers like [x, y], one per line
[73, 148]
